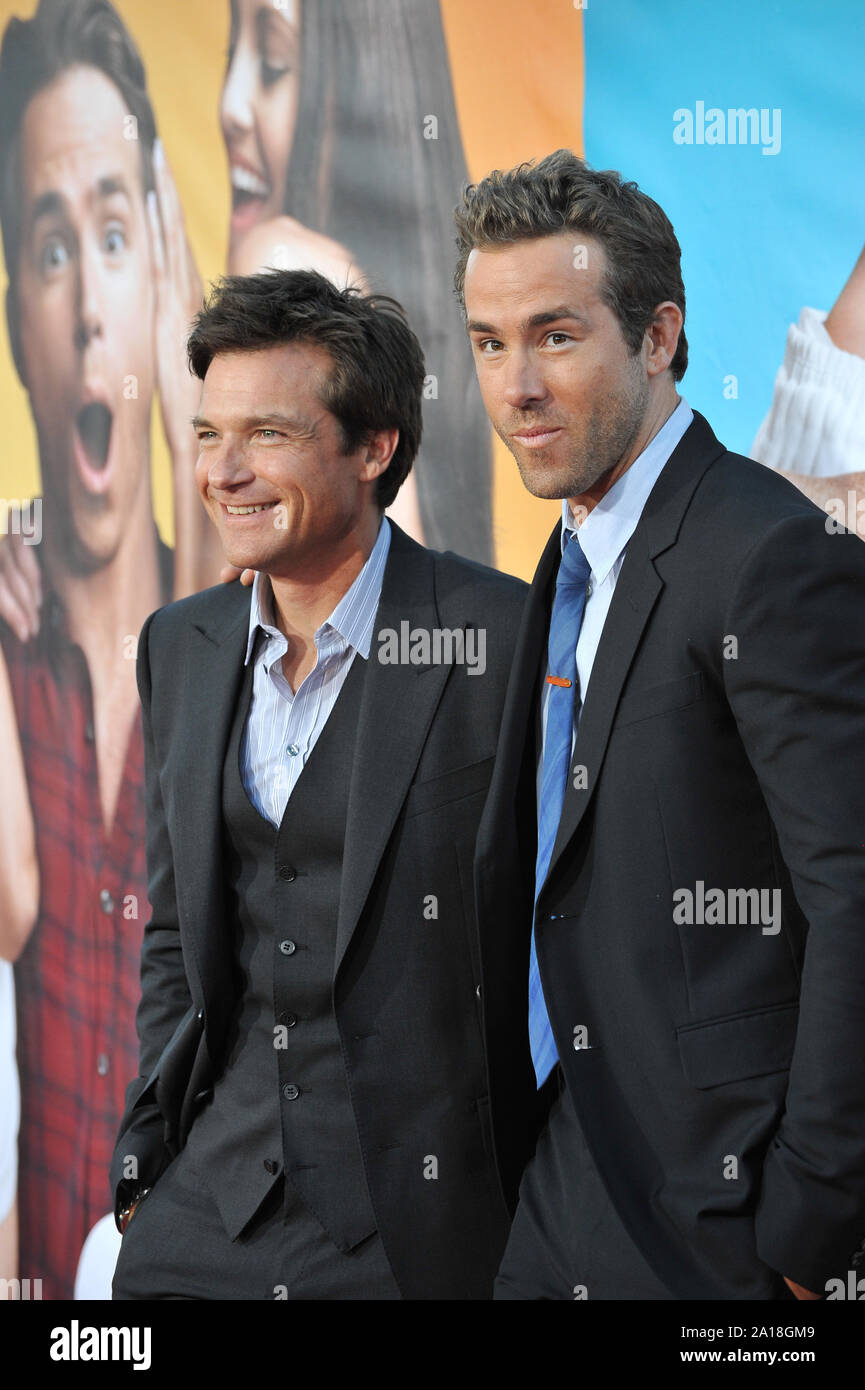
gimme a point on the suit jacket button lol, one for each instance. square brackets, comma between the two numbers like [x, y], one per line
[288, 872]
[270, 1165]
[288, 948]
[291, 1092]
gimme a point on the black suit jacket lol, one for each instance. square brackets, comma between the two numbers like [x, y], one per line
[721, 1087]
[406, 981]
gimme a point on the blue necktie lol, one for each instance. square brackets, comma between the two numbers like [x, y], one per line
[568, 605]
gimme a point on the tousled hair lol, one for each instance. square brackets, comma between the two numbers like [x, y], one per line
[377, 374]
[562, 193]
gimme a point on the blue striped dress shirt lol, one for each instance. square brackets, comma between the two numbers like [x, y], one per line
[282, 727]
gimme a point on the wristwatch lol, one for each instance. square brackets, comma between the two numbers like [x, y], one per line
[125, 1214]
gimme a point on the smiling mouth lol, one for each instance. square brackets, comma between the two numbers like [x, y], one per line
[247, 511]
[246, 185]
[93, 423]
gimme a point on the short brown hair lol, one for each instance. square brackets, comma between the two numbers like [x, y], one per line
[34, 53]
[378, 367]
[563, 193]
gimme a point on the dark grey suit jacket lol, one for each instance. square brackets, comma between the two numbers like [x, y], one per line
[406, 983]
[722, 1087]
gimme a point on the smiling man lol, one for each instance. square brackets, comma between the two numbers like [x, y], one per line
[686, 705]
[310, 1117]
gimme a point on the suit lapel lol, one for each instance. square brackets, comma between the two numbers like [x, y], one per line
[397, 708]
[520, 707]
[636, 594]
[213, 675]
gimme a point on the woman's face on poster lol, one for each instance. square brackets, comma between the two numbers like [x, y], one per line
[259, 107]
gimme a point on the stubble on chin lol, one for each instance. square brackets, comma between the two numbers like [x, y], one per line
[557, 472]
[552, 481]
[573, 466]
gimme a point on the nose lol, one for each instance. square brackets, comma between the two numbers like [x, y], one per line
[91, 321]
[222, 470]
[524, 383]
[234, 107]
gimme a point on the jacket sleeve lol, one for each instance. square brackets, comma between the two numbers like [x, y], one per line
[797, 691]
[141, 1154]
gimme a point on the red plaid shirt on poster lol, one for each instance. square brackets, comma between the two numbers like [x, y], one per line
[77, 981]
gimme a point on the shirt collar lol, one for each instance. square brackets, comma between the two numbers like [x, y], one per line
[611, 523]
[352, 620]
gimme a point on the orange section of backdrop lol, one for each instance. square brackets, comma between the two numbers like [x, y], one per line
[517, 68]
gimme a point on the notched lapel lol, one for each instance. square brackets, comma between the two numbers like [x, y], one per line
[397, 708]
[635, 595]
[518, 714]
[213, 660]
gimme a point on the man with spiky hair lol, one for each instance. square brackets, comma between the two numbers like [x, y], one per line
[688, 691]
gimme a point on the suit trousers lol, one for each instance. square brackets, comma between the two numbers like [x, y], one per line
[567, 1240]
[176, 1247]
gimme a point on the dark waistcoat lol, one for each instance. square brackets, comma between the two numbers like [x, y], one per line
[281, 1102]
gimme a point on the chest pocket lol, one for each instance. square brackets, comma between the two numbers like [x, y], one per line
[449, 786]
[654, 700]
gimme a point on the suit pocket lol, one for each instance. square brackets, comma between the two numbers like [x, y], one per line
[739, 1046]
[659, 699]
[449, 786]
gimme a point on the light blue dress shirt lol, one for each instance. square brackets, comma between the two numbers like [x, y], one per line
[282, 726]
[604, 536]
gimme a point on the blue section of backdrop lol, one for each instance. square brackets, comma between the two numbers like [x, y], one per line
[761, 235]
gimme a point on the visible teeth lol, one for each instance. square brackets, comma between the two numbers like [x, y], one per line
[245, 511]
[245, 181]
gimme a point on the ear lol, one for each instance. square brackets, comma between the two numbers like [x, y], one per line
[663, 337]
[12, 327]
[378, 451]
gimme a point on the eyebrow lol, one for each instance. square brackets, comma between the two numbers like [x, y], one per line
[52, 203]
[271, 19]
[46, 205]
[544, 316]
[110, 184]
[294, 422]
